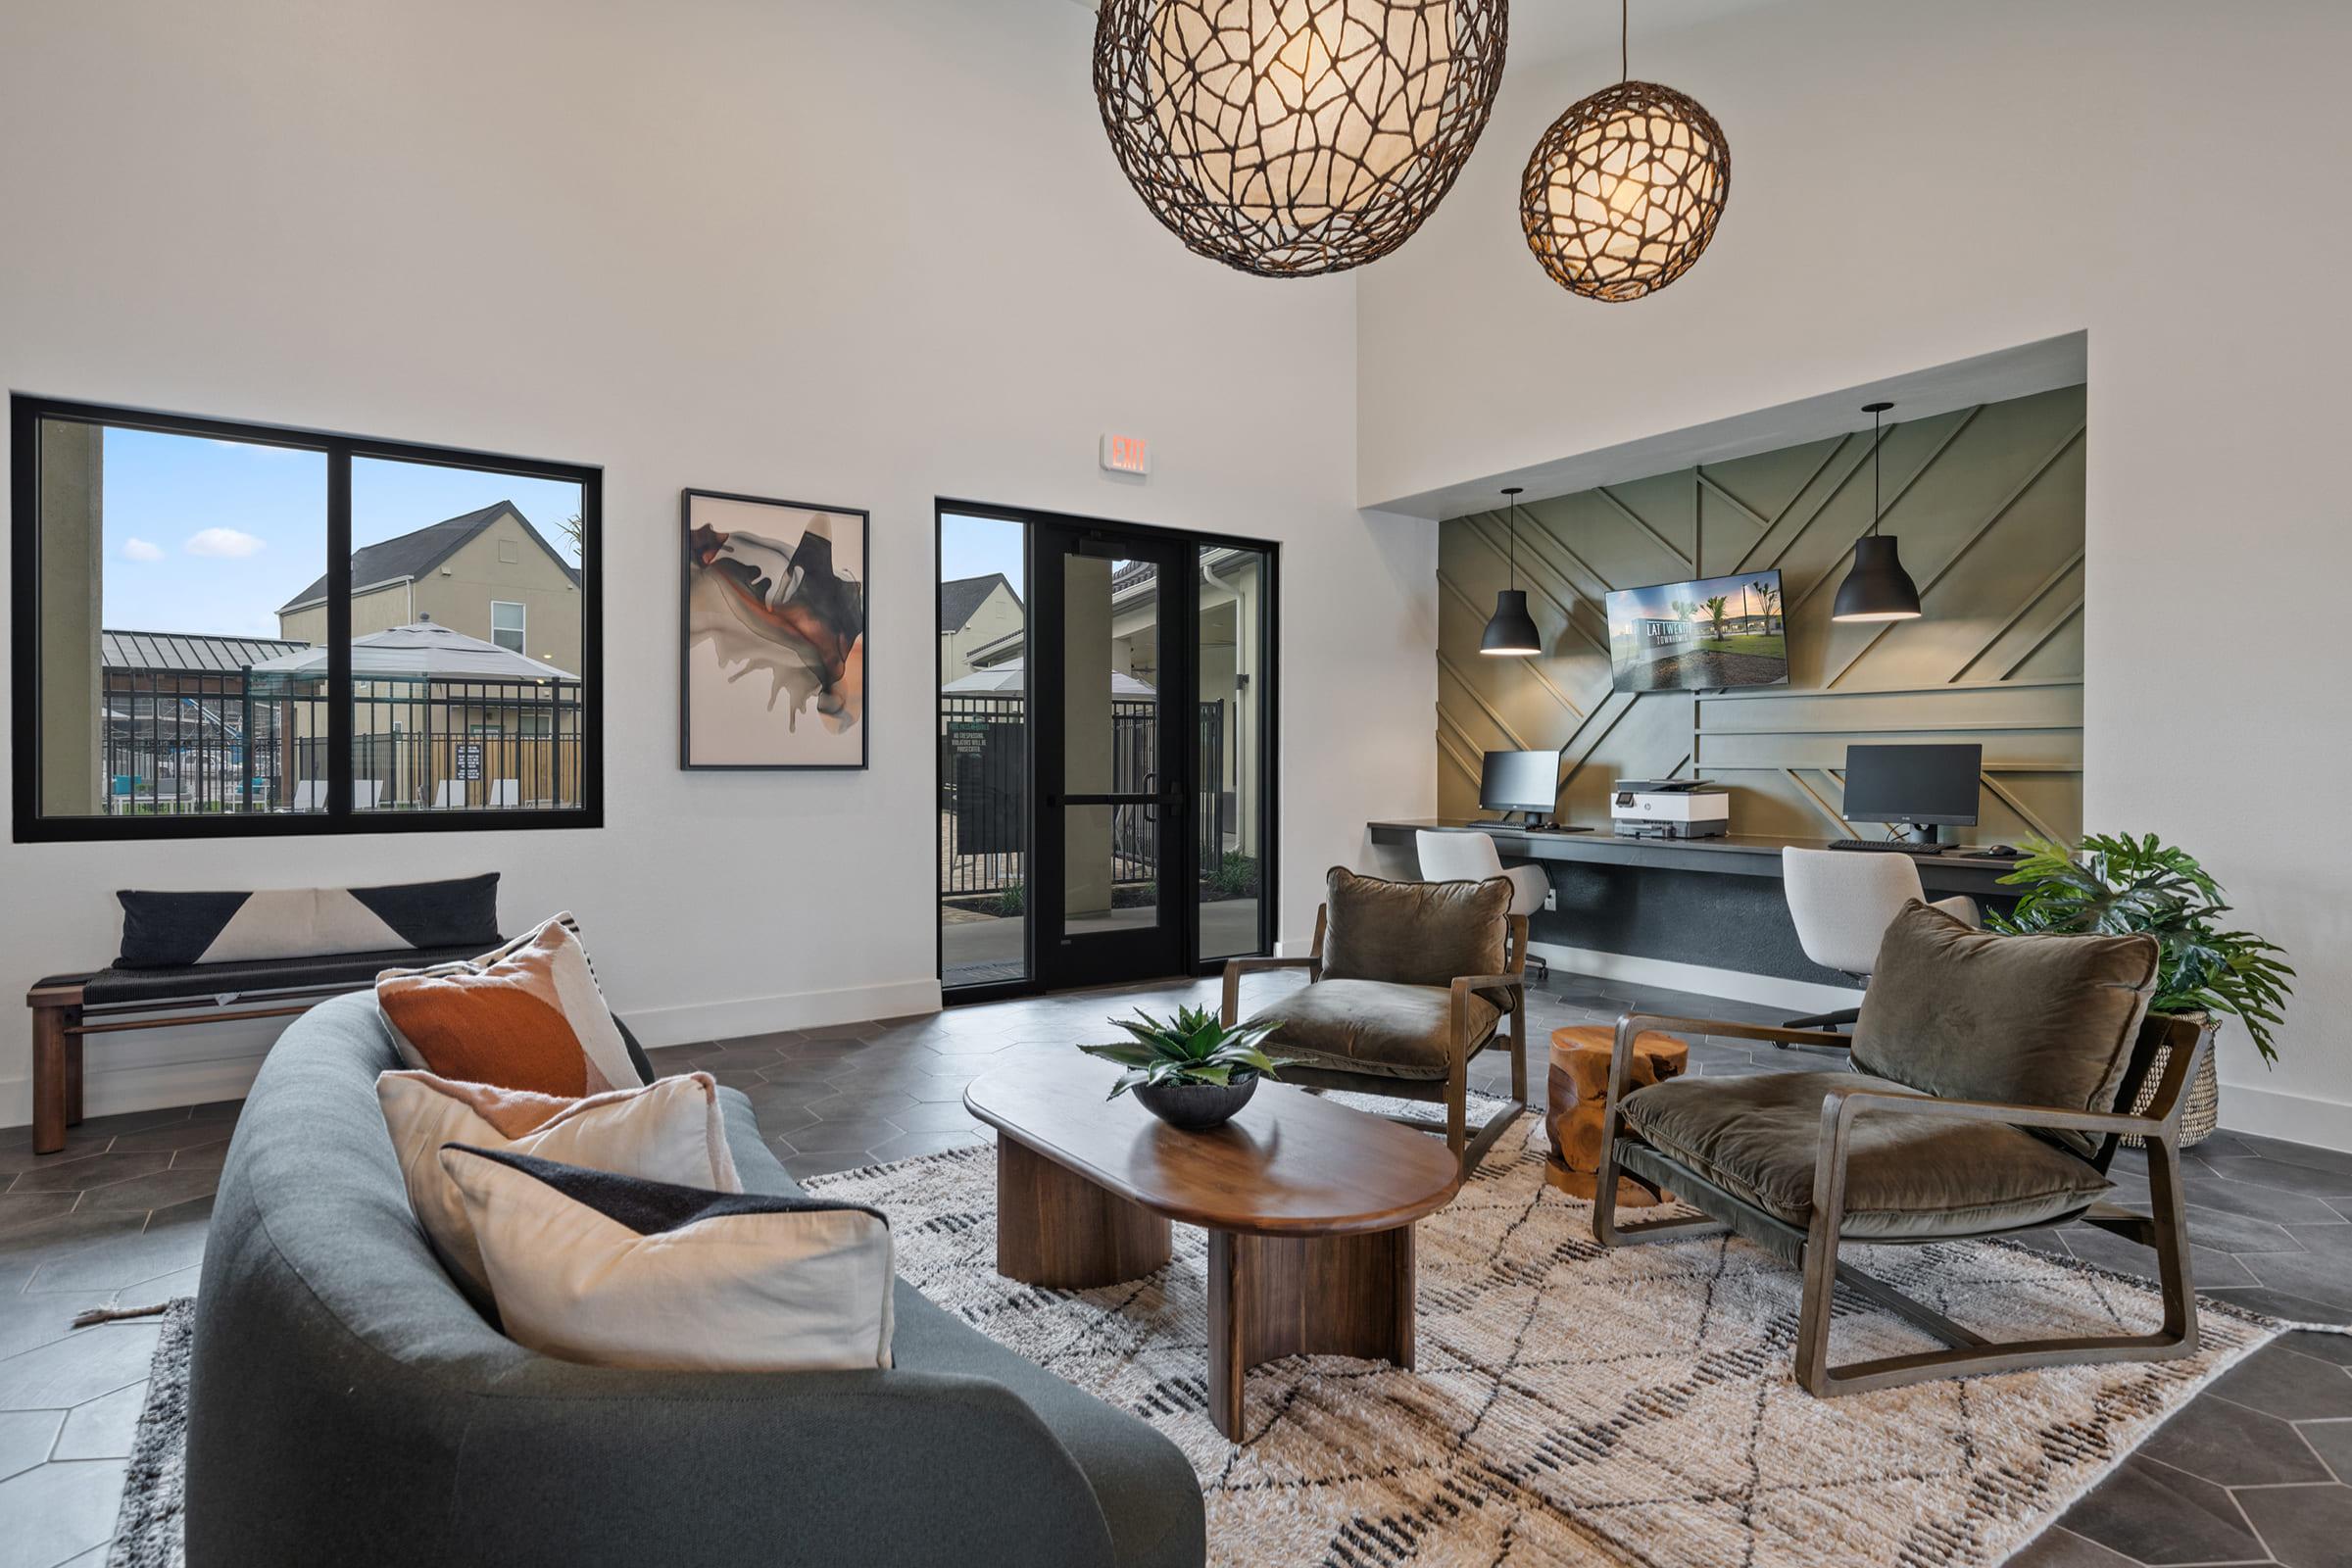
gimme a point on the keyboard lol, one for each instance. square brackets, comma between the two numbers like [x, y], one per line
[1889, 845]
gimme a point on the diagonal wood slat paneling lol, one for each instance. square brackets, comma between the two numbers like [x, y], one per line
[1989, 504]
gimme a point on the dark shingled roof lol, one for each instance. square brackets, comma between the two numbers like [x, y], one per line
[960, 599]
[413, 555]
[187, 652]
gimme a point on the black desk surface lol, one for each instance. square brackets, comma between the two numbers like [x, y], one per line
[1734, 854]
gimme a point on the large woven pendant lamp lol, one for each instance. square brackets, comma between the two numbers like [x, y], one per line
[1511, 630]
[1623, 193]
[1878, 588]
[1293, 138]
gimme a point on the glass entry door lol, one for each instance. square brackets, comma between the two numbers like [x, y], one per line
[1106, 723]
[1113, 615]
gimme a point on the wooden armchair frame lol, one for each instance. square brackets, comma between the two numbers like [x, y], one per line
[2178, 1045]
[1453, 1090]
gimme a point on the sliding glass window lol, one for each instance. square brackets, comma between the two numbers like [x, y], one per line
[234, 629]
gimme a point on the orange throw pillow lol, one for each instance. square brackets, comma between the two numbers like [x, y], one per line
[528, 1016]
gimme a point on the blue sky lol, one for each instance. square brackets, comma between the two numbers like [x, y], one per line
[213, 536]
[974, 547]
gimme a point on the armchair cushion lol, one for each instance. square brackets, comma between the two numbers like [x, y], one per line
[2030, 1020]
[1369, 1026]
[1908, 1177]
[1416, 933]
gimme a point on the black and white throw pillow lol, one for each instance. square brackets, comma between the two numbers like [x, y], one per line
[588, 1266]
[163, 930]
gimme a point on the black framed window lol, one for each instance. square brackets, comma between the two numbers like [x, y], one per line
[226, 629]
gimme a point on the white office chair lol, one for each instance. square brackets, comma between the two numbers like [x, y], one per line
[1472, 858]
[1843, 900]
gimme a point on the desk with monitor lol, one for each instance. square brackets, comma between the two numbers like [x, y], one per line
[1716, 901]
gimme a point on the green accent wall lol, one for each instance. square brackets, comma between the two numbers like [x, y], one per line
[1989, 504]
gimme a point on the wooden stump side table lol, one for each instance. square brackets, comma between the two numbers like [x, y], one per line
[1577, 1090]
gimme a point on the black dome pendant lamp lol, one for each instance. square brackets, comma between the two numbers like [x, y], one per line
[1512, 630]
[1878, 588]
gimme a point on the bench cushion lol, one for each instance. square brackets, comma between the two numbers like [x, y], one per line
[1908, 1177]
[203, 981]
[163, 930]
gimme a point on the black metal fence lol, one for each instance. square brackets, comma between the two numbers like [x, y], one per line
[177, 743]
[984, 804]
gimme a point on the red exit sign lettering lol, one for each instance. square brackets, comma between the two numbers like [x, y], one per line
[1126, 454]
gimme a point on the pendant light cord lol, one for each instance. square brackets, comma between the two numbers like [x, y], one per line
[1876, 441]
[1625, 26]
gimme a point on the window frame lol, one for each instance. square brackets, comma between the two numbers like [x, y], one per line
[523, 626]
[25, 413]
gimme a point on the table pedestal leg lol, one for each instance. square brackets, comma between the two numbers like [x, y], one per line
[1058, 1229]
[1274, 1296]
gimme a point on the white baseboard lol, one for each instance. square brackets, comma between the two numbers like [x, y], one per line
[1800, 996]
[692, 1022]
[2297, 1118]
[166, 1067]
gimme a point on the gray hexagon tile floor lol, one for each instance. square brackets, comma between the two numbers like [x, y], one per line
[2252, 1471]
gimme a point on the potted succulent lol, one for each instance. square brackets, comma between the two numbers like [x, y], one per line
[2115, 883]
[1190, 1071]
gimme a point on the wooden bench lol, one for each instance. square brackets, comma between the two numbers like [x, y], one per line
[69, 1009]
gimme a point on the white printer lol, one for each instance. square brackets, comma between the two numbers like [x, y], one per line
[1670, 808]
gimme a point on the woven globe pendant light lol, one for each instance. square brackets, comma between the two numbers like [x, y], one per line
[1290, 138]
[1622, 194]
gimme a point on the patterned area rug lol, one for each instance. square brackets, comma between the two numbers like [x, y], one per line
[1580, 1407]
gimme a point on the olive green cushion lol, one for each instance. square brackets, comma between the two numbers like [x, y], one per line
[1369, 1026]
[1908, 1177]
[1416, 933]
[2035, 1020]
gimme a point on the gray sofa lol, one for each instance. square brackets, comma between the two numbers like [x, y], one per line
[348, 1406]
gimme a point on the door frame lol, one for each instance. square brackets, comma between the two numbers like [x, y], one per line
[1185, 728]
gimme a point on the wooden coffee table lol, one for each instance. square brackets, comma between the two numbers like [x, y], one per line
[1309, 1208]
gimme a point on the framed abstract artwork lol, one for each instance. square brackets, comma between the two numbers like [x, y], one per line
[773, 670]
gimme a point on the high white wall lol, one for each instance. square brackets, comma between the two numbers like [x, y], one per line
[869, 254]
[1917, 183]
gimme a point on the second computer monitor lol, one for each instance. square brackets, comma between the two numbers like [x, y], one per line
[1933, 785]
[1520, 781]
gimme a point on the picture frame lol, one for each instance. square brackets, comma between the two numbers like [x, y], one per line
[774, 614]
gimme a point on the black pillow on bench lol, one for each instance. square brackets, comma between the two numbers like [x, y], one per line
[166, 930]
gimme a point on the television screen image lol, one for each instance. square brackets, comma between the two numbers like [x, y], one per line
[1698, 636]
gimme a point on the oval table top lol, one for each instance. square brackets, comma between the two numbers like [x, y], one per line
[1290, 1165]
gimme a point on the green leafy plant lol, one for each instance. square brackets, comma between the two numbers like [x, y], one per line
[1192, 1048]
[2115, 883]
[1236, 877]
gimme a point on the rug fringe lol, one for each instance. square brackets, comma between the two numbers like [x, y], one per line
[116, 1314]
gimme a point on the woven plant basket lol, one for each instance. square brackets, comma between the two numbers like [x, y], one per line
[2201, 1107]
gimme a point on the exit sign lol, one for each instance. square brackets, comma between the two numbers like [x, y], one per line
[1126, 454]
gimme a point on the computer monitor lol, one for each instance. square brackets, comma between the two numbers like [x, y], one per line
[1924, 786]
[1521, 781]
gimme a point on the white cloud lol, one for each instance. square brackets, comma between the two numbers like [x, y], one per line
[222, 542]
[141, 549]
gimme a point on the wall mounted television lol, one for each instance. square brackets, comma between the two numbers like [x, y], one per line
[1703, 635]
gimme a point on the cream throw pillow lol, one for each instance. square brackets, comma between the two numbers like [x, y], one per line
[612, 1270]
[670, 1130]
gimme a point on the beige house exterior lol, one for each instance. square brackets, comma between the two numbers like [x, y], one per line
[489, 574]
[974, 613]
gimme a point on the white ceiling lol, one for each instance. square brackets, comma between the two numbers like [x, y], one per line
[1551, 29]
